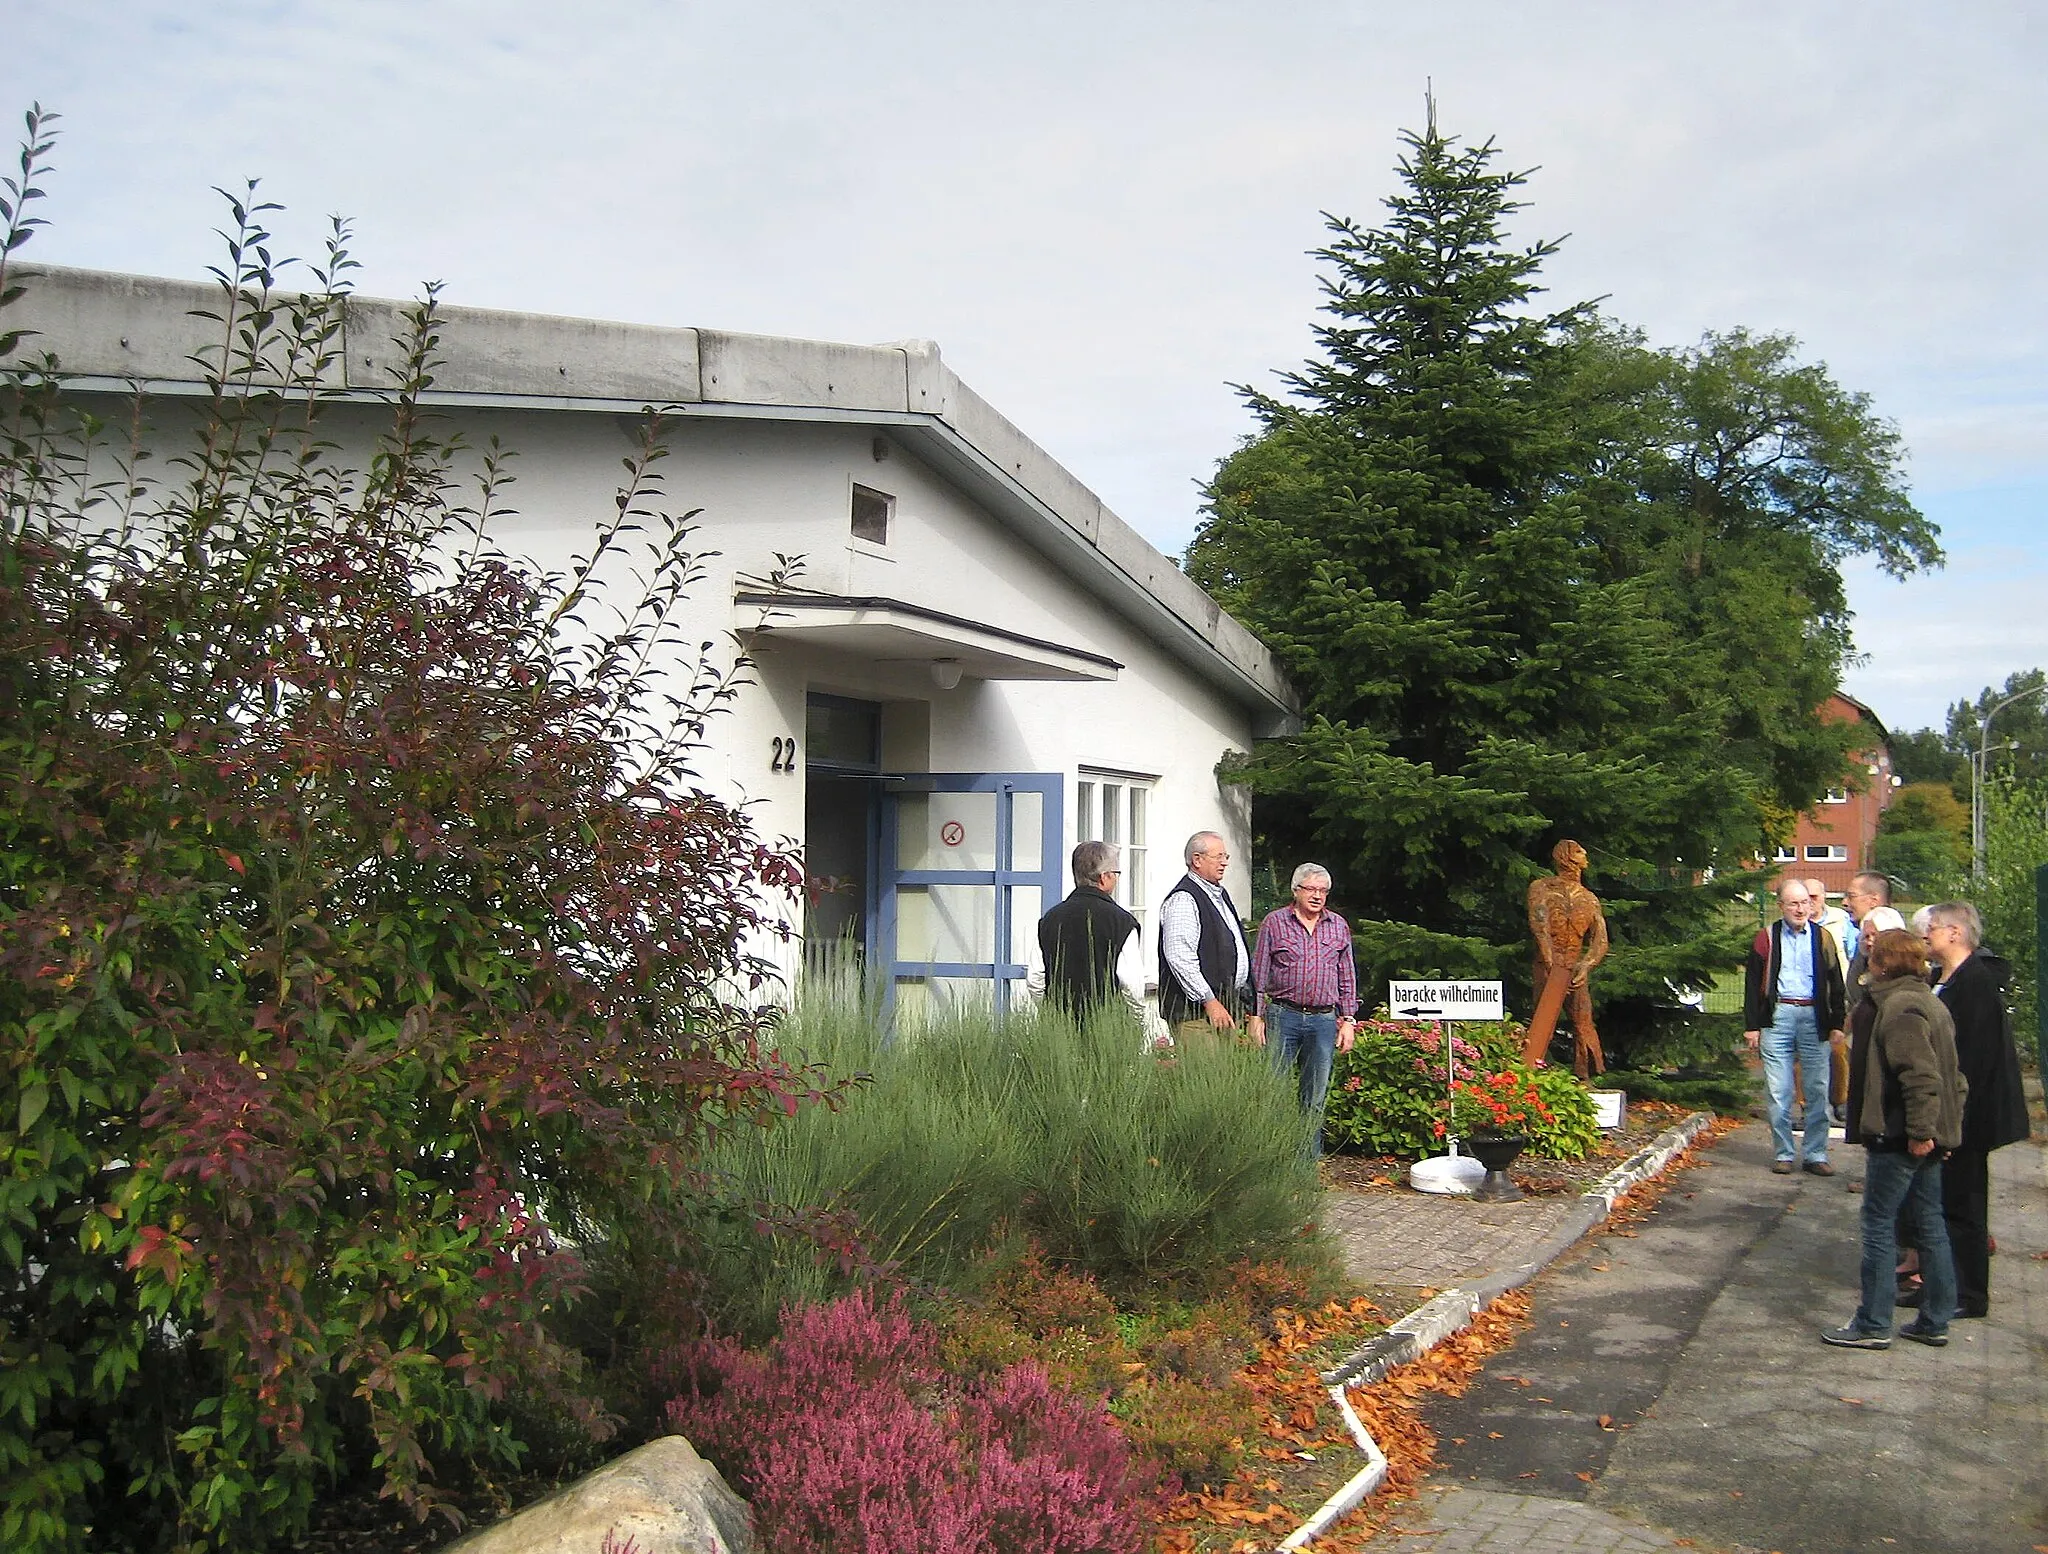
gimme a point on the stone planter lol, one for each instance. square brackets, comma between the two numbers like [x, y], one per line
[1496, 1151]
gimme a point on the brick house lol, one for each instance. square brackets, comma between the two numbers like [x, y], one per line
[1833, 839]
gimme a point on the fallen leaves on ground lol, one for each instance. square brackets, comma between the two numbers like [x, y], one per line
[1299, 1419]
[1391, 1411]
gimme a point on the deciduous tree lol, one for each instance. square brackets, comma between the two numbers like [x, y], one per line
[364, 941]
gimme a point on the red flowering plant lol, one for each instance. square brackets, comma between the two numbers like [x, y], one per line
[1507, 1102]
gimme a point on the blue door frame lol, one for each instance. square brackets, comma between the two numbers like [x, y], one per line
[1047, 876]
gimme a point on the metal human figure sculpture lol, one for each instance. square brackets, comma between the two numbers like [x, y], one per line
[1571, 939]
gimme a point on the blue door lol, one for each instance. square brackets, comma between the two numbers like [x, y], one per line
[968, 863]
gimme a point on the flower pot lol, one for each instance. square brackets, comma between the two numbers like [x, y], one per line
[1496, 1151]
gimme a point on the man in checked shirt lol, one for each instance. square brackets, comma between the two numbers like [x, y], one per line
[1308, 989]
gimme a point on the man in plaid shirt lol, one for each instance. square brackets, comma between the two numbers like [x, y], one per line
[1308, 989]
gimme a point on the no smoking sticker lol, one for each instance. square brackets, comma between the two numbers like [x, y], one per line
[952, 833]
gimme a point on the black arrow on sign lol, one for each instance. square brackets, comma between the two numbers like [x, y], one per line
[1412, 1009]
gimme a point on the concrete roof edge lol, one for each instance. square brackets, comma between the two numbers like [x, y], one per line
[116, 327]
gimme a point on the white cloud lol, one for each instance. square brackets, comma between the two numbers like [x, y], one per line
[1100, 209]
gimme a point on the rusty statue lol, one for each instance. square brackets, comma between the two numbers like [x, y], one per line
[1571, 939]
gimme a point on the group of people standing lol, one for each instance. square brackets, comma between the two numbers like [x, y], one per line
[1293, 989]
[1930, 1087]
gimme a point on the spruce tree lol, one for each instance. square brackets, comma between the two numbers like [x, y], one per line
[1468, 532]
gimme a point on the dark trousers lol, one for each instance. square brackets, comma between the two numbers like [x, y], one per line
[1897, 1185]
[1966, 1206]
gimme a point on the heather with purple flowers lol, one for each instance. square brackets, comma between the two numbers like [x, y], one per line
[845, 1439]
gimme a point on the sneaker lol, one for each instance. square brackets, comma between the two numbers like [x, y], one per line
[1921, 1333]
[1853, 1337]
[1781, 1168]
[1819, 1168]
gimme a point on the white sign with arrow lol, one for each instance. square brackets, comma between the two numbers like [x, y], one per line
[1445, 1001]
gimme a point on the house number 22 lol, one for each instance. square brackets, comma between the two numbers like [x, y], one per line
[782, 755]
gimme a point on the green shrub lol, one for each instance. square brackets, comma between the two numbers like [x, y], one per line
[1192, 1429]
[365, 945]
[1573, 1131]
[1388, 1094]
[1146, 1171]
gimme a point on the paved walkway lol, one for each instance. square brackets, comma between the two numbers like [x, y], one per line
[1434, 1242]
[1990, 1423]
[1449, 1519]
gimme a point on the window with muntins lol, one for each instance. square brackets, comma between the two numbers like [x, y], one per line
[1116, 809]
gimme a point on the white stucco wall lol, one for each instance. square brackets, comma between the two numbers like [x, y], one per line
[768, 440]
[769, 488]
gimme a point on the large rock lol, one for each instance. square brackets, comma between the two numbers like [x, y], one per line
[664, 1497]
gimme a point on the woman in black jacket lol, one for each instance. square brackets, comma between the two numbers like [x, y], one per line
[1971, 981]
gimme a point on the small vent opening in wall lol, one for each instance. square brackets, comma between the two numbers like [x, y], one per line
[871, 514]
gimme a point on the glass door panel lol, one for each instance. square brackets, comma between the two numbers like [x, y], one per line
[969, 860]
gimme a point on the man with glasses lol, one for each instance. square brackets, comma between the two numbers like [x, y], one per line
[1205, 967]
[1307, 991]
[1792, 992]
[1869, 901]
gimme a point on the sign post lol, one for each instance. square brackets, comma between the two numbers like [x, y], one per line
[1445, 1002]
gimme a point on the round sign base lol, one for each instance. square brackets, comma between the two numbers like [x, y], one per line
[1454, 1174]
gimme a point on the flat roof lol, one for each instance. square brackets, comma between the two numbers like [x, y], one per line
[110, 330]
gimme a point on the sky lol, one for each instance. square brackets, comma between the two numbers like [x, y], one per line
[1103, 212]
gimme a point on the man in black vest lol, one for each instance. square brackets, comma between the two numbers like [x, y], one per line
[1088, 945]
[1205, 967]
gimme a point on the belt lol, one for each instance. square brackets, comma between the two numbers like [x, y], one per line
[1302, 1008]
[1797, 1003]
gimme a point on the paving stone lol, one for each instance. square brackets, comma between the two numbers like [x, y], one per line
[1473, 1521]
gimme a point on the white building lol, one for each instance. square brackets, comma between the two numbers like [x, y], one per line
[984, 665]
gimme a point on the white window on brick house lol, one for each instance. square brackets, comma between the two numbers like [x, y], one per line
[1820, 852]
[1787, 855]
[1836, 796]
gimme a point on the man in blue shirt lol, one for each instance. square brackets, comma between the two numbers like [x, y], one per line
[1793, 1008]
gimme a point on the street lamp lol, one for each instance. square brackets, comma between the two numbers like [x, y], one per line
[1977, 778]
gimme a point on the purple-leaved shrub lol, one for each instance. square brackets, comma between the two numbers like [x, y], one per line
[844, 1437]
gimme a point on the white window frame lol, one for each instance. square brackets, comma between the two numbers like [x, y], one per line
[1787, 855]
[1835, 796]
[1116, 807]
[1826, 852]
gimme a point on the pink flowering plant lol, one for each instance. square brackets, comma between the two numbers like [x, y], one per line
[1391, 1095]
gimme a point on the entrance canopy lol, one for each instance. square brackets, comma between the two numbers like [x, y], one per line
[891, 631]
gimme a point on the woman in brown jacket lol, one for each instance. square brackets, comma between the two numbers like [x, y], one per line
[1906, 1110]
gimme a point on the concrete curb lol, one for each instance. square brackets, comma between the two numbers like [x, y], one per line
[1438, 1318]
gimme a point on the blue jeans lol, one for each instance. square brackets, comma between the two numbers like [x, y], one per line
[1305, 1044]
[1796, 1032]
[1894, 1180]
